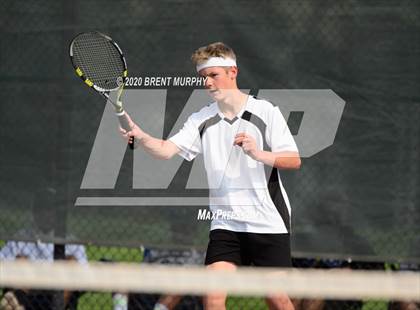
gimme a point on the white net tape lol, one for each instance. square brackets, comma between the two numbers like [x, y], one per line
[119, 277]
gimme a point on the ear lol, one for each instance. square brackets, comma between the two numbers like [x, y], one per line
[233, 72]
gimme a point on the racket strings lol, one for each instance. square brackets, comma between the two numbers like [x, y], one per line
[99, 60]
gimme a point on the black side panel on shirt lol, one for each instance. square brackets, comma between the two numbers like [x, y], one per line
[208, 123]
[259, 123]
[278, 199]
[273, 181]
[262, 127]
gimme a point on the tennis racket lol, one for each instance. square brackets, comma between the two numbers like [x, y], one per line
[101, 64]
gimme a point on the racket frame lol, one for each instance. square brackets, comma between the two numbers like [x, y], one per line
[85, 79]
[105, 92]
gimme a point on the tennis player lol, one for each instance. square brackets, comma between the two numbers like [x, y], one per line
[239, 136]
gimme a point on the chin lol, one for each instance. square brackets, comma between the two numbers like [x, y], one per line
[217, 96]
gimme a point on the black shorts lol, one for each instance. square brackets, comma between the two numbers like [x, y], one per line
[246, 249]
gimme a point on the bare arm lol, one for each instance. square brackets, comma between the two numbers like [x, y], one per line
[280, 160]
[158, 148]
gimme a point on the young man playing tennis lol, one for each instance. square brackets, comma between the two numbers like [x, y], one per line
[238, 136]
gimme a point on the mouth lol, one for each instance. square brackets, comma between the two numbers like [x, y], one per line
[213, 91]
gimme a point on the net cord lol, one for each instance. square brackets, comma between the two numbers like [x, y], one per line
[124, 277]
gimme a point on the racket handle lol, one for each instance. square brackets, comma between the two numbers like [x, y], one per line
[125, 125]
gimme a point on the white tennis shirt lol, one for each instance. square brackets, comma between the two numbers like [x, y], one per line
[244, 197]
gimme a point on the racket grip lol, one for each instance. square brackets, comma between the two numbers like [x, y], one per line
[125, 125]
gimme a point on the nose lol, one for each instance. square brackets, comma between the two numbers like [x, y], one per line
[208, 82]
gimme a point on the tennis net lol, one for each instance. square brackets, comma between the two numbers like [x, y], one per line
[297, 283]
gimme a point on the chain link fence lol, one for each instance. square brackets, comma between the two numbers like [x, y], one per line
[357, 199]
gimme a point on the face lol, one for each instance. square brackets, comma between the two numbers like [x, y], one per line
[219, 81]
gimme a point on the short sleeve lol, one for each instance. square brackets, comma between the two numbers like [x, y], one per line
[188, 139]
[278, 134]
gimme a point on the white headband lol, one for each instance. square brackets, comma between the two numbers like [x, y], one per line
[216, 62]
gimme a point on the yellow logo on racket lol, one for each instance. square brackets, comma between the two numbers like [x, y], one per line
[79, 72]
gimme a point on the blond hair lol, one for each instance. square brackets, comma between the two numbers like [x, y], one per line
[217, 49]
